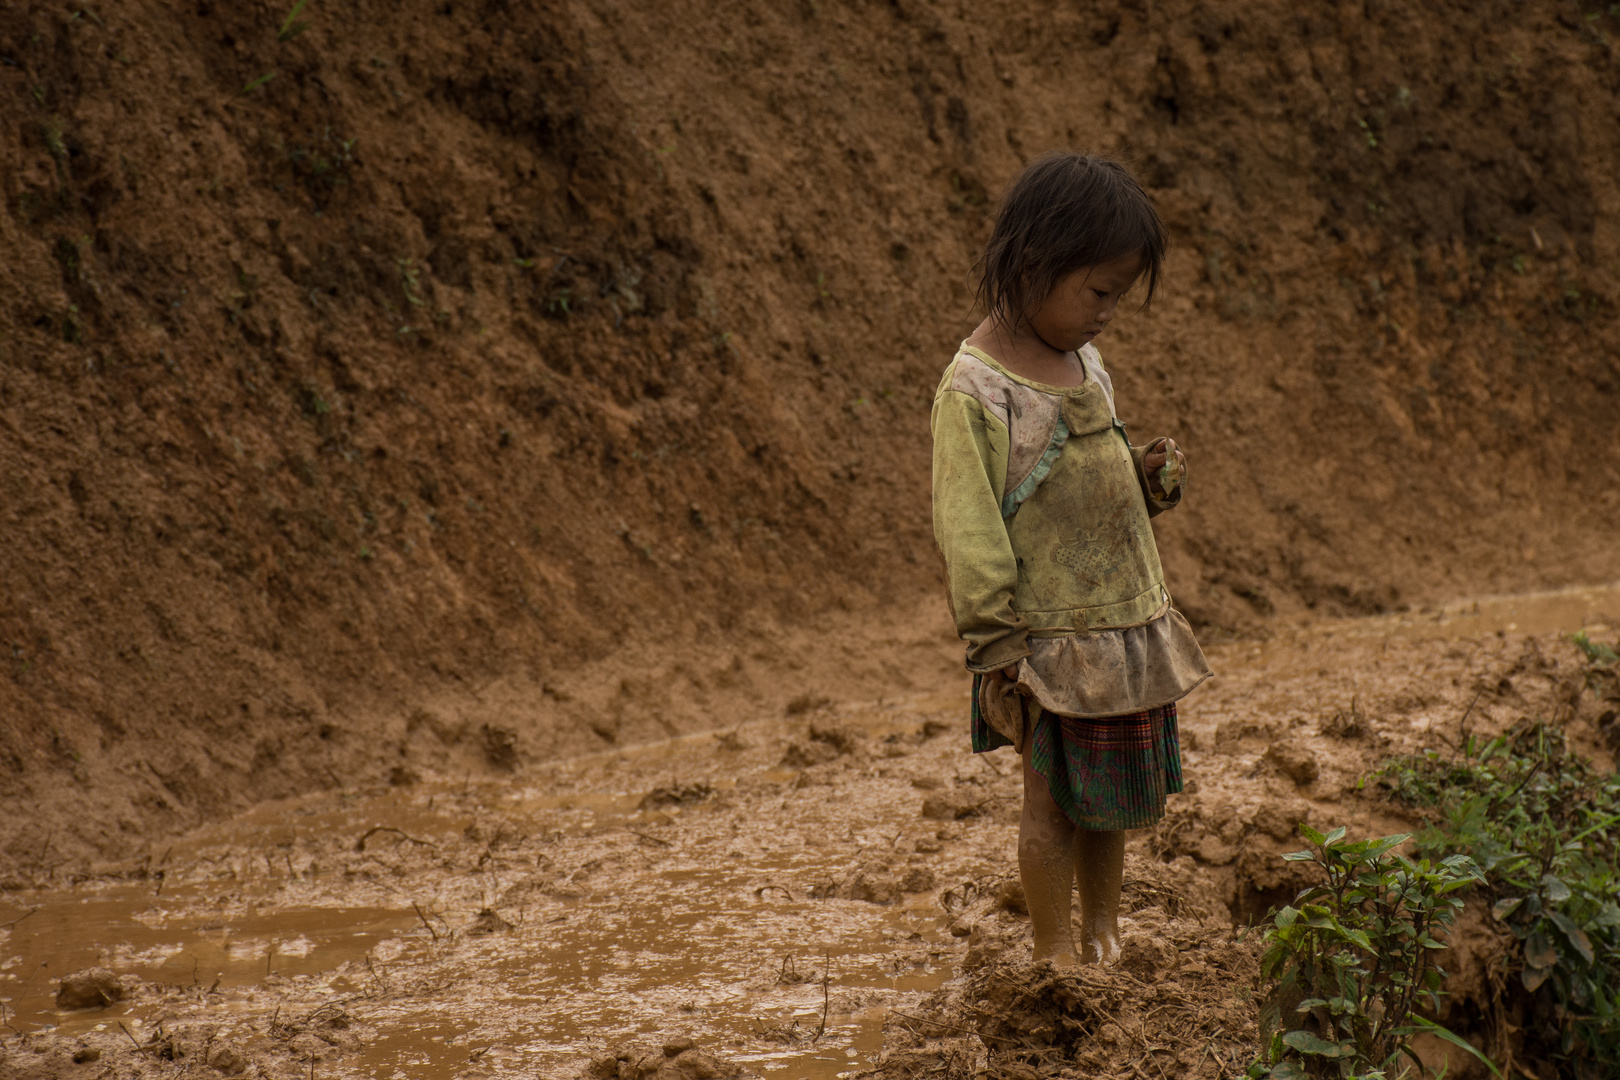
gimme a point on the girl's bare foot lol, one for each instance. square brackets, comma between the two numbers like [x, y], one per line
[1099, 859]
[1101, 948]
[1062, 958]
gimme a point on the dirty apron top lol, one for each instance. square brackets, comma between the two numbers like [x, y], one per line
[1041, 511]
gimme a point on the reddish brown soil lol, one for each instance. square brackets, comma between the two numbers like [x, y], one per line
[565, 371]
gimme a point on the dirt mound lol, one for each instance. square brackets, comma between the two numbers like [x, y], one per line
[679, 1059]
[523, 367]
[1180, 996]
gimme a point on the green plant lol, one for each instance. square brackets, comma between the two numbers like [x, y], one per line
[290, 26]
[1347, 970]
[410, 279]
[1544, 825]
[55, 139]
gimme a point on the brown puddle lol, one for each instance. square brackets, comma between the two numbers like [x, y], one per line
[696, 937]
[163, 938]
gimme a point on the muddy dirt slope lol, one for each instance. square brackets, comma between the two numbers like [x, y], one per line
[528, 377]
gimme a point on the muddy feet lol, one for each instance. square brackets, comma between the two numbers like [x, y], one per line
[1061, 956]
[1100, 948]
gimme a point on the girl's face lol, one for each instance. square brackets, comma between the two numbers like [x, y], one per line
[1083, 302]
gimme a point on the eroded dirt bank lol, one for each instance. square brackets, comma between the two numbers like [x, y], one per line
[813, 895]
[450, 353]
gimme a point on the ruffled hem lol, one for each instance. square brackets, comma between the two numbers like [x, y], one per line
[1114, 672]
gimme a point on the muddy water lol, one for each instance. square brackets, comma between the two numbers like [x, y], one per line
[700, 933]
[164, 939]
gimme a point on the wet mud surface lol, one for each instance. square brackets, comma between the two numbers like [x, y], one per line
[820, 894]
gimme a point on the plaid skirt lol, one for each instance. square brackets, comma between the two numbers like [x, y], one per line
[1107, 773]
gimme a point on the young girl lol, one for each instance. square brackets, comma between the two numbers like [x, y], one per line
[1041, 509]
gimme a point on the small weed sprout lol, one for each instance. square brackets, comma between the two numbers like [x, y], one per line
[1347, 970]
[290, 26]
[55, 139]
[410, 279]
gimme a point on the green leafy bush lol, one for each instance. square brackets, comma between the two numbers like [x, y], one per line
[1543, 825]
[1346, 971]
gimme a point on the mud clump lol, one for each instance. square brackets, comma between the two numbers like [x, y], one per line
[1147, 957]
[1010, 898]
[949, 806]
[676, 795]
[487, 922]
[500, 747]
[824, 744]
[876, 883]
[93, 988]
[805, 703]
[229, 1060]
[1294, 761]
[678, 1059]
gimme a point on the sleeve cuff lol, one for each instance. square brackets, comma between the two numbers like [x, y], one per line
[1155, 504]
[1002, 652]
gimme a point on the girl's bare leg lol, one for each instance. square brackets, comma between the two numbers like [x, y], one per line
[1100, 866]
[1046, 862]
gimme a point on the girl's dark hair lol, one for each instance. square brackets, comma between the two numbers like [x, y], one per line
[1065, 212]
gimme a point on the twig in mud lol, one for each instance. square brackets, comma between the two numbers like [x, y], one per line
[31, 977]
[826, 977]
[644, 836]
[132, 1038]
[425, 922]
[371, 968]
[759, 893]
[18, 919]
[1462, 725]
[360, 844]
[5, 1021]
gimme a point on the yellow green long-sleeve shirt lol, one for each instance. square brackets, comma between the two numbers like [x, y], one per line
[1041, 512]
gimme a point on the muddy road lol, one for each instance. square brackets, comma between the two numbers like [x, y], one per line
[797, 896]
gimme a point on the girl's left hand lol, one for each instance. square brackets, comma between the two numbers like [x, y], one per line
[1153, 463]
